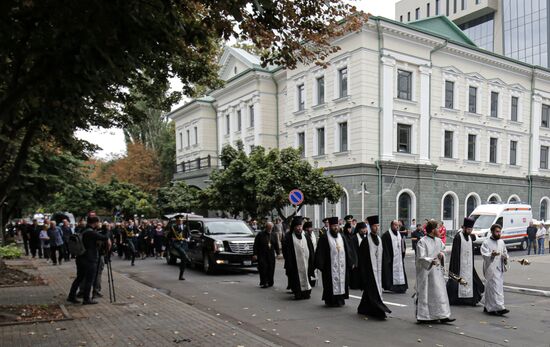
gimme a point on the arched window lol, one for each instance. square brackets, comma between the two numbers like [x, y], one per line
[543, 209]
[448, 207]
[343, 205]
[449, 210]
[404, 208]
[494, 199]
[471, 204]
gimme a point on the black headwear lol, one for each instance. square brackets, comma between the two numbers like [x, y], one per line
[308, 225]
[348, 217]
[297, 220]
[360, 225]
[333, 220]
[373, 220]
[469, 222]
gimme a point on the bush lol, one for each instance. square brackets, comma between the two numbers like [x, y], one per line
[10, 252]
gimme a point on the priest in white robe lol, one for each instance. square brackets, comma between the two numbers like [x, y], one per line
[462, 265]
[432, 303]
[394, 277]
[495, 260]
[299, 260]
[333, 258]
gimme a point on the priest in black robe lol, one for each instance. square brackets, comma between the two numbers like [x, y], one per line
[334, 259]
[299, 260]
[394, 277]
[462, 264]
[361, 232]
[370, 266]
[348, 234]
[266, 246]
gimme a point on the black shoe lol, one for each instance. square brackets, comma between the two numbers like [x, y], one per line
[502, 312]
[492, 313]
[447, 320]
[79, 295]
[133, 264]
[181, 278]
[89, 302]
[264, 286]
[97, 295]
[73, 300]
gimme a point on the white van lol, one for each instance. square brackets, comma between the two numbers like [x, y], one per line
[514, 219]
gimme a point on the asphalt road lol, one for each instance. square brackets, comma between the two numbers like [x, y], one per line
[271, 313]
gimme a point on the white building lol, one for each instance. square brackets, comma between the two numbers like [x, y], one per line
[414, 120]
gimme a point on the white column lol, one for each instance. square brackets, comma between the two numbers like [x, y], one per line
[257, 122]
[387, 131]
[221, 131]
[232, 125]
[424, 128]
[535, 140]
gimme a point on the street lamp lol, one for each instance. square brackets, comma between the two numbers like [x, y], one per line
[363, 192]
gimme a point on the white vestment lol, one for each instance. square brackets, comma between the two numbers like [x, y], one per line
[302, 260]
[376, 261]
[432, 301]
[398, 271]
[493, 270]
[466, 267]
[337, 264]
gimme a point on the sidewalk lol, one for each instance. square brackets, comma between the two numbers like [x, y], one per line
[142, 316]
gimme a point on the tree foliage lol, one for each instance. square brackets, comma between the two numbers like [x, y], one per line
[259, 183]
[177, 197]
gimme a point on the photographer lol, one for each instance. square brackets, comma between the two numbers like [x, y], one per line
[104, 249]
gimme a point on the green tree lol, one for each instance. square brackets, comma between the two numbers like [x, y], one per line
[126, 198]
[259, 183]
[69, 65]
[177, 197]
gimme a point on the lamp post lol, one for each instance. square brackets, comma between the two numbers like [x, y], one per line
[363, 192]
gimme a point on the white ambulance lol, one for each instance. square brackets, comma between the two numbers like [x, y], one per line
[514, 219]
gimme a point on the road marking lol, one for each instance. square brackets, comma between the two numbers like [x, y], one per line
[527, 291]
[385, 302]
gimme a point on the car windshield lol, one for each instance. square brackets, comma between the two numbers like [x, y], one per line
[220, 228]
[483, 221]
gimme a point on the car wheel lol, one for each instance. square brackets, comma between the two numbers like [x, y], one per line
[523, 245]
[207, 264]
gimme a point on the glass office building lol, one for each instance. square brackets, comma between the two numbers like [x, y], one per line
[480, 30]
[525, 25]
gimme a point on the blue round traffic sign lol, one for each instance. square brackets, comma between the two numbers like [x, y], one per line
[296, 197]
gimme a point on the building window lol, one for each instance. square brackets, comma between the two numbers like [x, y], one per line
[481, 30]
[544, 157]
[403, 138]
[408, 16]
[472, 147]
[227, 125]
[417, 13]
[472, 99]
[251, 110]
[401, 19]
[543, 209]
[447, 8]
[493, 149]
[494, 199]
[239, 120]
[301, 98]
[462, 5]
[449, 210]
[448, 150]
[471, 205]
[545, 117]
[454, 6]
[494, 104]
[188, 138]
[404, 84]
[302, 143]
[514, 115]
[181, 140]
[513, 152]
[477, 2]
[404, 208]
[449, 94]
[343, 82]
[196, 130]
[320, 141]
[437, 7]
[320, 90]
[343, 130]
[428, 9]
[344, 204]
[252, 147]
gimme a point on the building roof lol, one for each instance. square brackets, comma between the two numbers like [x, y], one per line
[443, 26]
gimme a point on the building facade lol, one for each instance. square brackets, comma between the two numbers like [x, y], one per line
[516, 28]
[413, 120]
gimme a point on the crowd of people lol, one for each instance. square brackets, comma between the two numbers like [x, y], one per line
[358, 256]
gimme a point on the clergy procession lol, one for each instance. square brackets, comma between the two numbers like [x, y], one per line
[360, 256]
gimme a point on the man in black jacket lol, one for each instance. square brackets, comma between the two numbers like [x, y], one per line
[34, 239]
[531, 238]
[86, 264]
[67, 232]
[266, 245]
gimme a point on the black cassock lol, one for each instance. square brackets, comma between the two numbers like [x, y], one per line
[355, 275]
[291, 268]
[323, 262]
[266, 246]
[387, 265]
[371, 302]
[454, 267]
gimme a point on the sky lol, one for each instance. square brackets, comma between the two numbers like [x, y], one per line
[111, 141]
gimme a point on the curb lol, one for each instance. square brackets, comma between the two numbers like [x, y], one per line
[527, 291]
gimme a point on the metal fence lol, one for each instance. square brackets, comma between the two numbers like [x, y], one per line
[197, 164]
